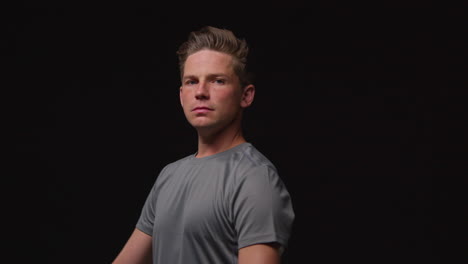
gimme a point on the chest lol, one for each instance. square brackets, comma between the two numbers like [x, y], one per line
[195, 201]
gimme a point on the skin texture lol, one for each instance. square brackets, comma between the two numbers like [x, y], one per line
[209, 82]
[137, 250]
[259, 254]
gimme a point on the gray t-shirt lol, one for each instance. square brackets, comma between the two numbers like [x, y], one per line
[203, 210]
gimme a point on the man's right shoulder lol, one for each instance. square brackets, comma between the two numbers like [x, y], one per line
[175, 164]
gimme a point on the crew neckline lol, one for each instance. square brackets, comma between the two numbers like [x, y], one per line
[220, 154]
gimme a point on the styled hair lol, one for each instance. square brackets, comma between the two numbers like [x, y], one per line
[221, 40]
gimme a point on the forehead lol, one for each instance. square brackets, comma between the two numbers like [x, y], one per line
[206, 61]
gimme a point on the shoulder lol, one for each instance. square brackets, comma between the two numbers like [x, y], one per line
[252, 158]
[177, 163]
[254, 166]
[171, 167]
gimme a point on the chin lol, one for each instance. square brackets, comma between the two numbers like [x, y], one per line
[203, 126]
[202, 122]
[209, 127]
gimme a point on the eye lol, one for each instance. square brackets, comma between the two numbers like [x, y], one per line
[190, 82]
[220, 81]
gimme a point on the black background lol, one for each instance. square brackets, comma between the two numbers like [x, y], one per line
[353, 106]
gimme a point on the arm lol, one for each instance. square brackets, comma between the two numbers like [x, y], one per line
[137, 250]
[259, 254]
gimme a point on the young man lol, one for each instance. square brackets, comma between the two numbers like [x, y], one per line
[225, 203]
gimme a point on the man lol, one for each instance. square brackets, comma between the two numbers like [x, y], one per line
[225, 203]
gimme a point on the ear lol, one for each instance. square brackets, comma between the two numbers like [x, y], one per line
[180, 97]
[248, 95]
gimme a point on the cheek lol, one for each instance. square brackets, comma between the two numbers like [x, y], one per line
[183, 97]
[229, 97]
[227, 103]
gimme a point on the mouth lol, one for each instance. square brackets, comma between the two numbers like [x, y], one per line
[202, 109]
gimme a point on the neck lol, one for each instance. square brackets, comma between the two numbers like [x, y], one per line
[216, 142]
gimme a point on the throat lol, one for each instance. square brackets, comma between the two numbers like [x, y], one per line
[210, 145]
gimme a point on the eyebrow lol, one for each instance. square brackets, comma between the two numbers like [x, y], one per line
[209, 76]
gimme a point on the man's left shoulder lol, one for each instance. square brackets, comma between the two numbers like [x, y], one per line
[256, 159]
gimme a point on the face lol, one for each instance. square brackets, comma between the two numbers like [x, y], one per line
[210, 94]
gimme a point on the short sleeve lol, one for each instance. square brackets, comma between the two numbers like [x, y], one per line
[146, 221]
[262, 208]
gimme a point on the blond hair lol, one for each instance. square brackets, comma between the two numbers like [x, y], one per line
[221, 40]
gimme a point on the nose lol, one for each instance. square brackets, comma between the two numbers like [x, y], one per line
[202, 91]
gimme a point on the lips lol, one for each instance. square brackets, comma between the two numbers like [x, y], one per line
[202, 109]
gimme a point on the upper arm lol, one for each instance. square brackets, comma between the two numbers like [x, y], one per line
[262, 208]
[259, 254]
[137, 250]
